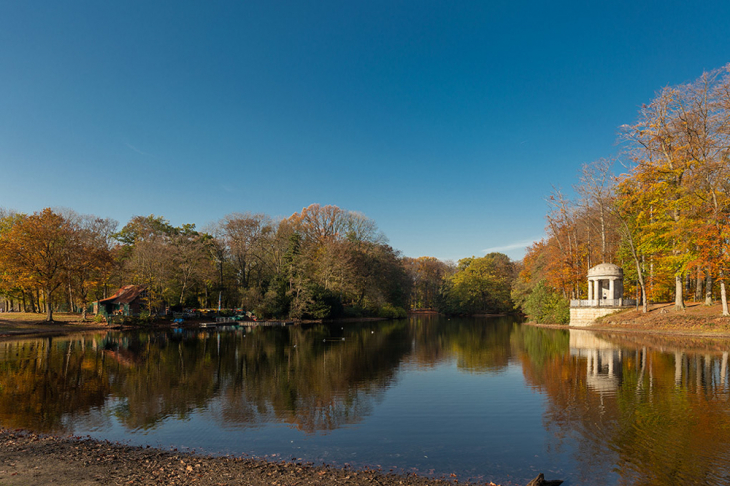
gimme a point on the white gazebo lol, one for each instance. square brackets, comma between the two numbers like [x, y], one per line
[605, 295]
[606, 285]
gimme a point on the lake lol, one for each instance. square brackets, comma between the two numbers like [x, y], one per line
[486, 399]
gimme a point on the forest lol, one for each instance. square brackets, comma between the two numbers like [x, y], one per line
[664, 219]
[321, 263]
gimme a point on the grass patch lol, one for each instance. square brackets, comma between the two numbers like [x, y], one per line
[15, 321]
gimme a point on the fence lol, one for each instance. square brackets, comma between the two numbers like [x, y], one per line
[603, 303]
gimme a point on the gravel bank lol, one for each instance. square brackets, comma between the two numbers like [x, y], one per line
[31, 459]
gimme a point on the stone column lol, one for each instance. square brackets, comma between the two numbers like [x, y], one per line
[590, 289]
[611, 294]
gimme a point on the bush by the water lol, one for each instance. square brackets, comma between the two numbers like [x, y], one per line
[545, 305]
[389, 311]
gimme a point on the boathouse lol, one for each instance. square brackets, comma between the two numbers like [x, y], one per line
[605, 295]
[127, 301]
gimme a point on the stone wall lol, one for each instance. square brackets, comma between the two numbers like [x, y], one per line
[586, 316]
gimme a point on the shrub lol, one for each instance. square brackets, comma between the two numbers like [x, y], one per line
[390, 311]
[545, 305]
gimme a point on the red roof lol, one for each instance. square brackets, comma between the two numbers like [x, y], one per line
[125, 295]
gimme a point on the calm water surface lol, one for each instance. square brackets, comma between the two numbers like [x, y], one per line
[485, 399]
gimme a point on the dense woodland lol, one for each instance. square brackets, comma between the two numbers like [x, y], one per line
[665, 220]
[323, 262]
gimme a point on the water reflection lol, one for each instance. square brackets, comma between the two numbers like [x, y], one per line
[603, 361]
[616, 409]
[316, 378]
[648, 409]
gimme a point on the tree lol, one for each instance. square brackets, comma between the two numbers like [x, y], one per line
[480, 285]
[190, 260]
[242, 236]
[36, 251]
[680, 147]
[144, 227]
[427, 276]
[546, 306]
[596, 189]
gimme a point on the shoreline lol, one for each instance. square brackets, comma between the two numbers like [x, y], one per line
[697, 320]
[10, 329]
[31, 458]
[627, 330]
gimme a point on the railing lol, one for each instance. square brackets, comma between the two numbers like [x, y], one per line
[603, 303]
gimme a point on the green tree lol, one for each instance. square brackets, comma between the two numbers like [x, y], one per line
[546, 306]
[480, 285]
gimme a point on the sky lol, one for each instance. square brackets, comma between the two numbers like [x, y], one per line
[447, 123]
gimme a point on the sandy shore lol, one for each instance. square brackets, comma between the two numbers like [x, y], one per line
[31, 459]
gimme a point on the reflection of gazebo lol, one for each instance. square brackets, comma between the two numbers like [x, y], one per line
[604, 373]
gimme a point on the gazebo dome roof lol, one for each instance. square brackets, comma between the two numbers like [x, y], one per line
[606, 270]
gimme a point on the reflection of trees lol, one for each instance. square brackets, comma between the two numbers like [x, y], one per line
[478, 345]
[481, 347]
[43, 380]
[662, 417]
[306, 376]
[160, 376]
[310, 377]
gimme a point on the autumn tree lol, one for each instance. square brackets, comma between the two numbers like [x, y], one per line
[596, 190]
[190, 262]
[664, 168]
[427, 276]
[92, 266]
[36, 250]
[680, 147]
[146, 257]
[243, 237]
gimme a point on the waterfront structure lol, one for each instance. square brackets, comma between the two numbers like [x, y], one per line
[127, 301]
[605, 295]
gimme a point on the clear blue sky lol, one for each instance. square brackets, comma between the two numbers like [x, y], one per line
[445, 122]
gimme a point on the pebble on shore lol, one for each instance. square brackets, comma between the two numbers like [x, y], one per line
[27, 458]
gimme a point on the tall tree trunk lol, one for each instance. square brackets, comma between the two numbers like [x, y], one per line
[639, 262]
[678, 292]
[698, 285]
[603, 235]
[723, 295]
[708, 288]
[644, 300]
[590, 245]
[70, 297]
[49, 307]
